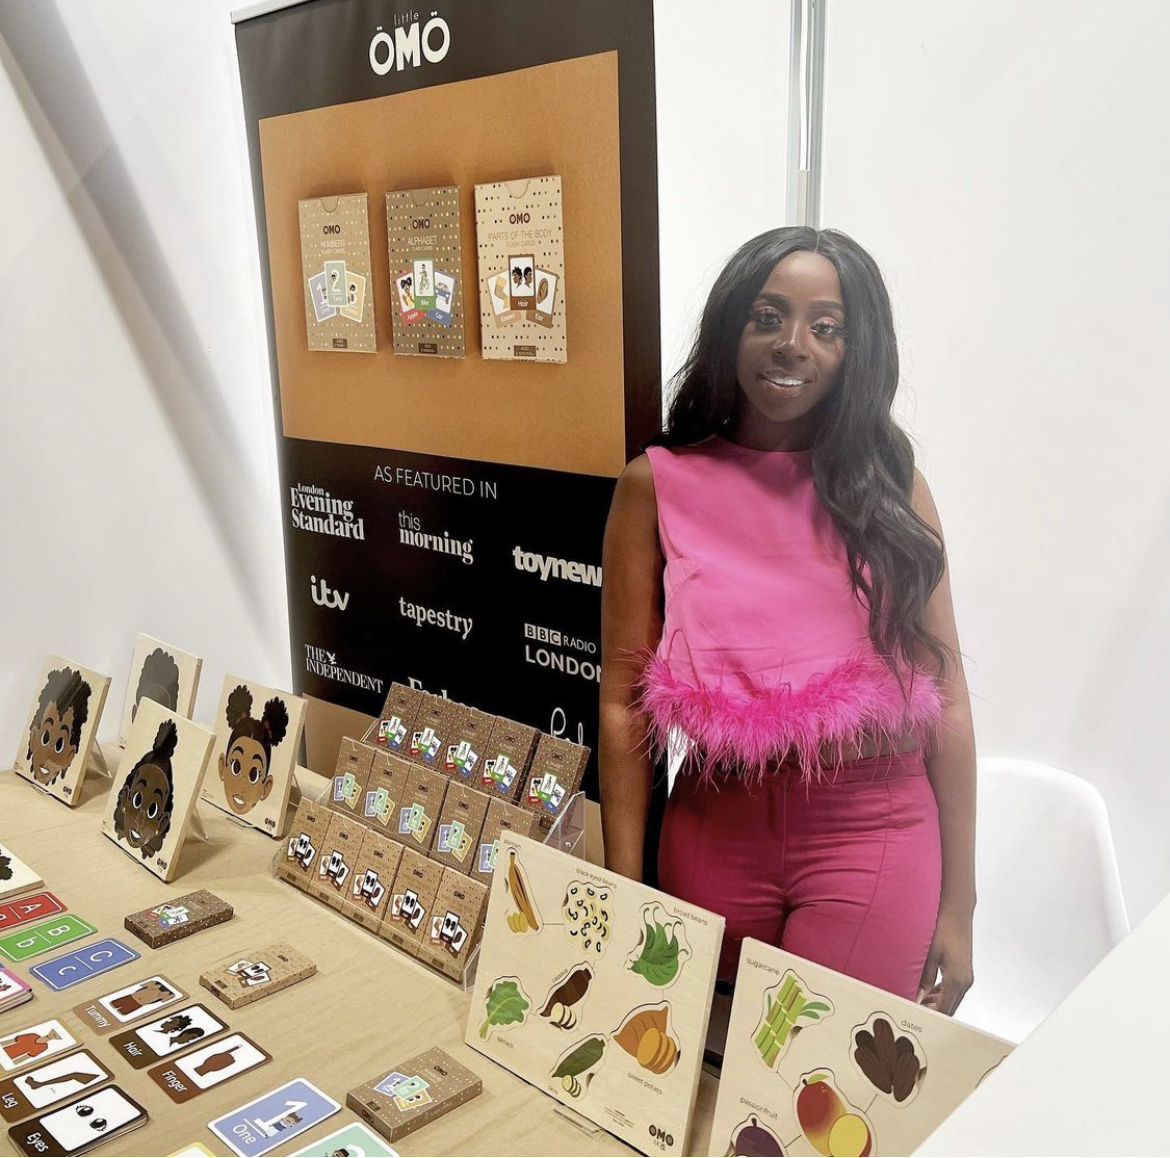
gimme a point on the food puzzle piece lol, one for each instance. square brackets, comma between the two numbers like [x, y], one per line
[506, 1004]
[788, 1007]
[751, 1140]
[578, 1064]
[892, 1061]
[833, 1126]
[527, 917]
[561, 1008]
[588, 916]
[663, 947]
[645, 1035]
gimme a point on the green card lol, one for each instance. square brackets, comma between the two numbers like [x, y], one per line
[353, 1139]
[41, 938]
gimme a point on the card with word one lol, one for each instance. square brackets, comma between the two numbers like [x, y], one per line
[25, 910]
[196, 1073]
[48, 1084]
[258, 974]
[82, 964]
[38, 1042]
[38, 939]
[81, 1125]
[597, 990]
[274, 1119]
[818, 1063]
[130, 1003]
[175, 1032]
[351, 1139]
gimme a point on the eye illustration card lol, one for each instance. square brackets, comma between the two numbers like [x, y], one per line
[83, 964]
[175, 1032]
[211, 1066]
[37, 939]
[274, 1119]
[62, 726]
[352, 1139]
[36, 1043]
[256, 745]
[45, 1086]
[130, 1003]
[27, 909]
[81, 1125]
[335, 264]
[257, 974]
[150, 806]
[168, 675]
[179, 918]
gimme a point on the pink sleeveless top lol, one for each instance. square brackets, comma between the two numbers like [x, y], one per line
[765, 652]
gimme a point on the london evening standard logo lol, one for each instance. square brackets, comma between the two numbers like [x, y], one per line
[316, 510]
[408, 41]
[319, 661]
[548, 567]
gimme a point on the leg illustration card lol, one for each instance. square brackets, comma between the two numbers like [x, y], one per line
[62, 726]
[832, 1066]
[129, 1004]
[257, 974]
[335, 267]
[15, 876]
[597, 990]
[159, 672]
[34, 940]
[229, 1057]
[150, 806]
[45, 1086]
[81, 1125]
[84, 964]
[275, 1119]
[36, 1043]
[173, 1033]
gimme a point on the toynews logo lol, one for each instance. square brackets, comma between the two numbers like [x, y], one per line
[325, 596]
[547, 566]
[411, 43]
[315, 509]
[321, 662]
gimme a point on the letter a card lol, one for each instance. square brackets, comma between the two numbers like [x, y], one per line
[274, 1119]
[81, 1125]
[211, 1066]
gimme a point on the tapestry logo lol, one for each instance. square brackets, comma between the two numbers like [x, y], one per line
[411, 43]
[315, 509]
[419, 614]
[324, 596]
[323, 663]
[410, 533]
[548, 566]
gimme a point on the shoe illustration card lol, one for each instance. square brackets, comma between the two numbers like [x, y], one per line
[38, 1042]
[82, 964]
[302, 849]
[24, 911]
[81, 1125]
[229, 1057]
[257, 974]
[817, 1062]
[335, 252]
[163, 673]
[34, 940]
[62, 725]
[178, 1030]
[150, 805]
[45, 1086]
[414, 1093]
[257, 740]
[425, 247]
[520, 233]
[15, 876]
[179, 918]
[351, 1139]
[274, 1119]
[130, 1003]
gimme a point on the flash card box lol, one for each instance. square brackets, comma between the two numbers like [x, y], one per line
[418, 813]
[368, 896]
[412, 899]
[339, 854]
[555, 775]
[348, 791]
[179, 918]
[302, 849]
[448, 1085]
[256, 975]
[335, 269]
[393, 729]
[428, 739]
[509, 753]
[501, 818]
[385, 790]
[460, 823]
[469, 732]
[455, 923]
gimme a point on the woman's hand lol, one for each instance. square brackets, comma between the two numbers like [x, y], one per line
[950, 955]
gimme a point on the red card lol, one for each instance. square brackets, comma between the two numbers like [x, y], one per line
[26, 909]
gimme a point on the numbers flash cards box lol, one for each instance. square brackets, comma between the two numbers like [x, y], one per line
[335, 264]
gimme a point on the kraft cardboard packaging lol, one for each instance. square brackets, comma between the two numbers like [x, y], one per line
[509, 752]
[257, 974]
[302, 847]
[348, 790]
[456, 725]
[426, 269]
[428, 743]
[412, 898]
[455, 924]
[373, 876]
[460, 823]
[392, 730]
[501, 818]
[555, 775]
[385, 789]
[419, 809]
[335, 269]
[339, 854]
[470, 733]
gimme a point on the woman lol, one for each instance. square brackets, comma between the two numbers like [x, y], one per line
[776, 596]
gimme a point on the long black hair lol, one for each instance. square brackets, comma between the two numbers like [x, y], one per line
[863, 463]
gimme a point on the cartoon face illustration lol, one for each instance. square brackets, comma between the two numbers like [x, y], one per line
[158, 681]
[142, 814]
[55, 733]
[244, 764]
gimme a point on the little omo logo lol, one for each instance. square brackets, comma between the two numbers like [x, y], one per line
[411, 43]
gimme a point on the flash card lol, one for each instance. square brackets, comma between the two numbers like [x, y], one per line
[444, 298]
[404, 284]
[38, 939]
[257, 975]
[167, 1035]
[211, 1066]
[522, 278]
[501, 300]
[81, 1125]
[335, 283]
[351, 1139]
[355, 296]
[424, 283]
[274, 1119]
[320, 298]
[26, 909]
[45, 1086]
[105, 1014]
[37, 1043]
[81, 965]
[546, 293]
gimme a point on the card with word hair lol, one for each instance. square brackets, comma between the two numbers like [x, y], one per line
[163, 673]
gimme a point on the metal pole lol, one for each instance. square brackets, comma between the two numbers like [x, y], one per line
[806, 106]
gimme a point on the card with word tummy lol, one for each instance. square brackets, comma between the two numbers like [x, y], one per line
[596, 989]
[818, 1063]
[131, 1003]
[256, 744]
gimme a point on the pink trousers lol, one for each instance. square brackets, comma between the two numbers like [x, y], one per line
[846, 873]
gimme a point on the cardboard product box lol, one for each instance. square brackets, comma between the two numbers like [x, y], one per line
[460, 823]
[520, 234]
[420, 807]
[348, 790]
[426, 271]
[258, 974]
[412, 899]
[455, 924]
[555, 775]
[339, 854]
[509, 753]
[428, 738]
[368, 896]
[434, 1083]
[302, 846]
[501, 818]
[335, 268]
[385, 790]
[470, 732]
[394, 726]
[455, 726]
[178, 918]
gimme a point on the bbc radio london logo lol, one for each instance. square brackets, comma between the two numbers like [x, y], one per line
[320, 512]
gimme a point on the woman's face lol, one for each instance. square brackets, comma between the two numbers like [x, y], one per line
[50, 741]
[146, 808]
[790, 352]
[245, 776]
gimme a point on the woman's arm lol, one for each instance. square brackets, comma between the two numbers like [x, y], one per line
[631, 626]
[951, 766]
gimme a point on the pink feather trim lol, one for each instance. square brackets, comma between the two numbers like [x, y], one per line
[810, 726]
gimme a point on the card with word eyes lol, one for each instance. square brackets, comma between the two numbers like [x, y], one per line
[36, 1043]
[83, 964]
[167, 1035]
[257, 974]
[49, 1084]
[81, 1125]
[130, 1003]
[211, 1066]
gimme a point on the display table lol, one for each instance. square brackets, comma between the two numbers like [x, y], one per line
[368, 1007]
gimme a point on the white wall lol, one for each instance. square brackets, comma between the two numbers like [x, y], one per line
[1009, 167]
[137, 457]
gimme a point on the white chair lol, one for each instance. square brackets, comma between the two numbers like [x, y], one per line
[1050, 904]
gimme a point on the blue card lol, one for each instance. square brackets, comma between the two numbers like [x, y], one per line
[82, 964]
[274, 1118]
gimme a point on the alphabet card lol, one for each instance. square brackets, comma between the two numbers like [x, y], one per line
[168, 675]
[597, 990]
[818, 1063]
[15, 876]
[257, 741]
[335, 260]
[152, 802]
[60, 738]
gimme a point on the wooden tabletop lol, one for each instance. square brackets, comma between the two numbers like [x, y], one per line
[368, 1008]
